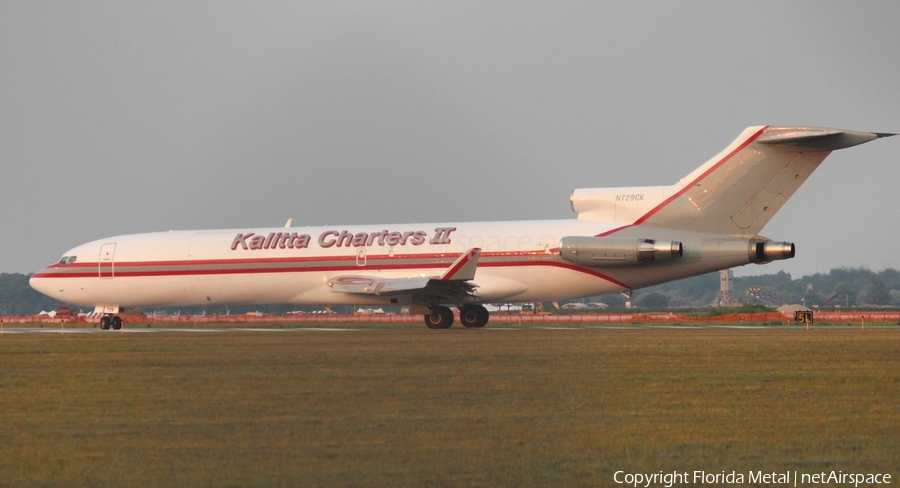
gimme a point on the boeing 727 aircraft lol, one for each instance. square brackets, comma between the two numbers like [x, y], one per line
[623, 239]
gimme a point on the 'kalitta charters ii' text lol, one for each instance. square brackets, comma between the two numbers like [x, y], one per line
[251, 241]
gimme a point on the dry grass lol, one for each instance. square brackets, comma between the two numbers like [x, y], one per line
[414, 407]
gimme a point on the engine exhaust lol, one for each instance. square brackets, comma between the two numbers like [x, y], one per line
[766, 251]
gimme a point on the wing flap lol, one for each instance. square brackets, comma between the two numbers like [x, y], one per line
[454, 281]
[367, 285]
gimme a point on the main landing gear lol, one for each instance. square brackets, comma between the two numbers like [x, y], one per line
[439, 318]
[108, 320]
[470, 316]
[474, 316]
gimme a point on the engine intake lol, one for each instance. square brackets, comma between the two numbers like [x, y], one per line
[616, 251]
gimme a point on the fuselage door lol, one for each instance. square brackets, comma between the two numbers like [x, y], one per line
[107, 266]
[361, 256]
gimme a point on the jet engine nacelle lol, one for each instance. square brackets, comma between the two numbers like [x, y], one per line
[616, 251]
[764, 252]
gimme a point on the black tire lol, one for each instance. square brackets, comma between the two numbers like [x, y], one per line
[117, 323]
[104, 322]
[439, 318]
[474, 316]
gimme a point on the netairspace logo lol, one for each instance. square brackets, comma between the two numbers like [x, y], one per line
[786, 478]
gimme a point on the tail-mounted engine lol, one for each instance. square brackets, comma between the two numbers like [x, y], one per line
[766, 251]
[616, 251]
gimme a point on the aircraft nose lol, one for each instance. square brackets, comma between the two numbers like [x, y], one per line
[40, 283]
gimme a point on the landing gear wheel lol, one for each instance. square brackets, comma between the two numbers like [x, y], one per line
[117, 323]
[104, 322]
[473, 316]
[439, 318]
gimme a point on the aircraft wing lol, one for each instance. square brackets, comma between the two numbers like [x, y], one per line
[453, 283]
[369, 285]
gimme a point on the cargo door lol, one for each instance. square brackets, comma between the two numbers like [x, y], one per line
[107, 266]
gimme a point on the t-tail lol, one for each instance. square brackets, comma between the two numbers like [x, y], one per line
[735, 193]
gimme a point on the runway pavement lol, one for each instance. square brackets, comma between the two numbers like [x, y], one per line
[387, 327]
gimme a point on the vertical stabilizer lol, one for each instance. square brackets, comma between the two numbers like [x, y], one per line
[740, 189]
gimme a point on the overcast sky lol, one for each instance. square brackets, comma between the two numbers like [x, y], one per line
[126, 117]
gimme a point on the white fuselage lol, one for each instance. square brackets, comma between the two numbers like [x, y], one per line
[519, 262]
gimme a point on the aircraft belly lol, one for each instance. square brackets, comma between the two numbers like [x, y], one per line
[254, 287]
[491, 287]
[541, 283]
[322, 295]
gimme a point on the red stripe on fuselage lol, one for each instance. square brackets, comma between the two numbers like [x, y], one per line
[311, 269]
[617, 229]
[292, 259]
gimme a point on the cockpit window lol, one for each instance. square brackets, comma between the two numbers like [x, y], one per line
[71, 259]
[63, 260]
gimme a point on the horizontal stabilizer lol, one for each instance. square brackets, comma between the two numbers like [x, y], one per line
[818, 139]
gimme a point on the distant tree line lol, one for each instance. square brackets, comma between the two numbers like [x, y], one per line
[844, 287]
[18, 298]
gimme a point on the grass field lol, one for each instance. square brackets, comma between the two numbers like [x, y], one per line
[415, 407]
